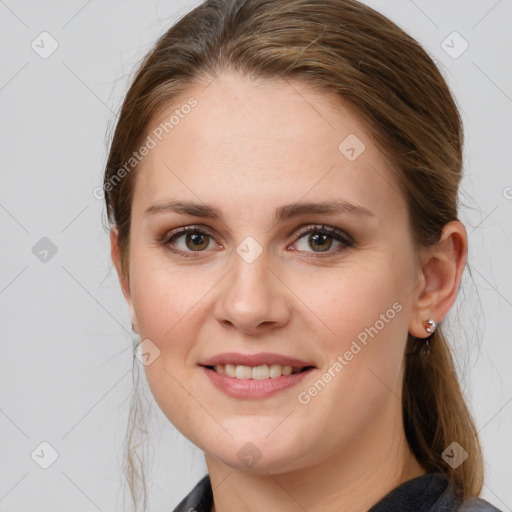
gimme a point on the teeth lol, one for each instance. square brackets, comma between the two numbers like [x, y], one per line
[255, 372]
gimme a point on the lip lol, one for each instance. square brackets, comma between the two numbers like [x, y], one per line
[251, 388]
[254, 360]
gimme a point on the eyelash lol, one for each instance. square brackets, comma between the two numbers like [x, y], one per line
[338, 235]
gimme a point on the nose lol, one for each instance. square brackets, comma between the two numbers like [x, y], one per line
[252, 299]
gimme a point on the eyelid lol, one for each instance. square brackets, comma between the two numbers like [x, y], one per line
[320, 228]
[166, 237]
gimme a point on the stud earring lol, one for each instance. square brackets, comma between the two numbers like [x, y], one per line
[431, 326]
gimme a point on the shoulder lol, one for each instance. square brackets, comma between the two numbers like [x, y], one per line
[199, 499]
[477, 505]
[451, 500]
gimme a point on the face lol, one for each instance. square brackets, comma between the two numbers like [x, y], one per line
[269, 267]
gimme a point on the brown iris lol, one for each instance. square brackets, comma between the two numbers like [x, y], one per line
[320, 241]
[196, 241]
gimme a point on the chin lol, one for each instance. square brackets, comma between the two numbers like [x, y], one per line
[258, 455]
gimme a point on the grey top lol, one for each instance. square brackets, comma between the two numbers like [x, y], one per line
[426, 493]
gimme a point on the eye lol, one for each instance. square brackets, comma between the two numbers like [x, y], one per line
[322, 239]
[188, 239]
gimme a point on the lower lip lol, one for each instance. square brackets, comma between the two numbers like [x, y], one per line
[252, 388]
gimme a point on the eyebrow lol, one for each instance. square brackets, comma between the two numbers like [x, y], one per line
[282, 213]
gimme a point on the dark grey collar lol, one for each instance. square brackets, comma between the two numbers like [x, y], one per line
[425, 493]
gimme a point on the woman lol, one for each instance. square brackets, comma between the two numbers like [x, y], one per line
[282, 186]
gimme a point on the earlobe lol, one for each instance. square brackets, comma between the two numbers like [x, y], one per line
[441, 274]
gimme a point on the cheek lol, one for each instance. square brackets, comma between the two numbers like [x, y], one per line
[361, 325]
[349, 302]
[166, 304]
[164, 300]
[170, 304]
[361, 328]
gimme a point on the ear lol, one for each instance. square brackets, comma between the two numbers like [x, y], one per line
[125, 285]
[440, 277]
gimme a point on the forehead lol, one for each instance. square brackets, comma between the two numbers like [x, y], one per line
[239, 140]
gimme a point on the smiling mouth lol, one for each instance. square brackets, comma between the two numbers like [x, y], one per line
[261, 372]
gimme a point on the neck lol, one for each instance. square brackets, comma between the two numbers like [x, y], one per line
[352, 479]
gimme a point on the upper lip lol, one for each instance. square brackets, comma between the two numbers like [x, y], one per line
[253, 360]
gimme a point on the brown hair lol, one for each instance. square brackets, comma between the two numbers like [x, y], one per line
[394, 87]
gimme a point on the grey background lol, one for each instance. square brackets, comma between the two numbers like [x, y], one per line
[65, 365]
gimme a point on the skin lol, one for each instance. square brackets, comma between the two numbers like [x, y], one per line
[245, 149]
